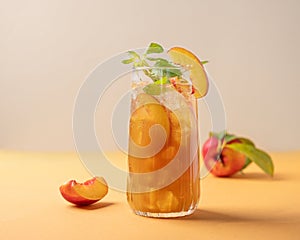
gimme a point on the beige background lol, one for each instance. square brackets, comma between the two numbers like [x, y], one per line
[47, 48]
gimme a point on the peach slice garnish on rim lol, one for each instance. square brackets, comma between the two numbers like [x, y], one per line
[188, 60]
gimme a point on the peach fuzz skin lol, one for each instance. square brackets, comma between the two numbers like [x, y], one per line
[86, 193]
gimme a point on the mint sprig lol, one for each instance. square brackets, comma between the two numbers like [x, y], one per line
[162, 68]
[157, 68]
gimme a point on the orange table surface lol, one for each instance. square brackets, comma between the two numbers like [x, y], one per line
[249, 206]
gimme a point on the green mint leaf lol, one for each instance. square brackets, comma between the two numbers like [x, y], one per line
[155, 59]
[160, 62]
[166, 72]
[154, 89]
[170, 69]
[127, 61]
[259, 157]
[154, 48]
[204, 62]
[134, 54]
[163, 80]
[173, 73]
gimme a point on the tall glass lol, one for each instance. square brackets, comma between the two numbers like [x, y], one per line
[163, 154]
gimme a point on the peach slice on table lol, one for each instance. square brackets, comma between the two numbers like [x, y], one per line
[85, 193]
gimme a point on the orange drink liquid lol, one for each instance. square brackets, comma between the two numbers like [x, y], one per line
[163, 154]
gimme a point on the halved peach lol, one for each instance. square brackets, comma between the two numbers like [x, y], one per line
[148, 133]
[85, 193]
[144, 118]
